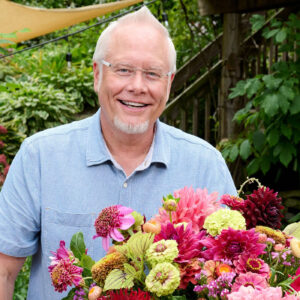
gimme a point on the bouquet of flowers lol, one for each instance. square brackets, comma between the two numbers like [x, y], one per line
[195, 248]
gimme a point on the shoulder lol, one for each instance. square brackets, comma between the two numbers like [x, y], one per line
[188, 142]
[60, 134]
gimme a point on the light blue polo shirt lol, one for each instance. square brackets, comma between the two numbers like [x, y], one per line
[63, 177]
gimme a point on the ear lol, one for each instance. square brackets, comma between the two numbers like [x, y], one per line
[96, 76]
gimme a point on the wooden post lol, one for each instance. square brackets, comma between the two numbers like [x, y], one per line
[230, 73]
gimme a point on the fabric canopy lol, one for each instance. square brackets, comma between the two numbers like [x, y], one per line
[39, 21]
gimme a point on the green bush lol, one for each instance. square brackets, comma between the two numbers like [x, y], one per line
[271, 118]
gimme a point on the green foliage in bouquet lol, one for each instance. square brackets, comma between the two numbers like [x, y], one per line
[271, 118]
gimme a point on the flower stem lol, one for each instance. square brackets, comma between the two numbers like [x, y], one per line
[249, 180]
[170, 214]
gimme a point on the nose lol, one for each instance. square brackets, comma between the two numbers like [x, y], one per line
[137, 83]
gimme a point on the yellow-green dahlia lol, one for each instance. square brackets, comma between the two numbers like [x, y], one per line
[162, 251]
[163, 279]
[223, 219]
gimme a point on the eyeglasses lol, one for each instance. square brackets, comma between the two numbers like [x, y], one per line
[128, 71]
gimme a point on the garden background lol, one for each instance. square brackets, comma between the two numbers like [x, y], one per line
[238, 88]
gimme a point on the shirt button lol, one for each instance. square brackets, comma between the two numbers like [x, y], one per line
[125, 184]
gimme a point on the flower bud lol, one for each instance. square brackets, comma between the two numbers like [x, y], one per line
[152, 226]
[170, 205]
[295, 247]
[279, 247]
[94, 293]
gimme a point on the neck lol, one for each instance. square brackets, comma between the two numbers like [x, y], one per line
[129, 150]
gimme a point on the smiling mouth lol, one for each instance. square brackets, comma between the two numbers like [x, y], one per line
[133, 104]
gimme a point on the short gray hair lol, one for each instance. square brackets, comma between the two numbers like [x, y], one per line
[143, 15]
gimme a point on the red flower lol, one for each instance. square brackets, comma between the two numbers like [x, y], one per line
[188, 272]
[189, 242]
[231, 243]
[263, 207]
[296, 284]
[124, 294]
[233, 202]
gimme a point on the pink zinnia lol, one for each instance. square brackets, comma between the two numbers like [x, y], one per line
[61, 253]
[249, 293]
[231, 243]
[65, 274]
[193, 207]
[249, 279]
[110, 220]
[296, 283]
[247, 263]
[189, 242]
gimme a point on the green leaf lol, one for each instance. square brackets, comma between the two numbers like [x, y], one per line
[139, 243]
[271, 82]
[295, 106]
[287, 92]
[70, 295]
[238, 90]
[259, 140]
[77, 245]
[129, 269]
[286, 130]
[265, 164]
[245, 149]
[257, 22]
[273, 137]
[234, 152]
[118, 279]
[286, 154]
[271, 33]
[284, 103]
[281, 35]
[253, 166]
[270, 104]
[86, 261]
[254, 85]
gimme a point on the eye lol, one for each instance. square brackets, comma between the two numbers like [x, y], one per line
[123, 70]
[153, 74]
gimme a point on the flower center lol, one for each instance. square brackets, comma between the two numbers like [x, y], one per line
[234, 248]
[108, 218]
[254, 264]
[160, 248]
[249, 284]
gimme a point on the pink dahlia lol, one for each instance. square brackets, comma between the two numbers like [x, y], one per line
[189, 243]
[110, 220]
[248, 263]
[231, 243]
[193, 207]
[65, 274]
[233, 202]
[249, 279]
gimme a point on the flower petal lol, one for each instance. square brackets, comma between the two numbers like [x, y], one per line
[124, 210]
[105, 243]
[116, 235]
[126, 222]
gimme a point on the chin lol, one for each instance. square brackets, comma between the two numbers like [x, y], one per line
[131, 128]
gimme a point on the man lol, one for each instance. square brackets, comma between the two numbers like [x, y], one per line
[61, 178]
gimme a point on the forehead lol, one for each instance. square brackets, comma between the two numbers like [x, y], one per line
[139, 44]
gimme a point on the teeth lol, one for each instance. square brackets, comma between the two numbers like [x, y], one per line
[133, 104]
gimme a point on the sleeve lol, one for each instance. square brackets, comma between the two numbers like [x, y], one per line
[20, 204]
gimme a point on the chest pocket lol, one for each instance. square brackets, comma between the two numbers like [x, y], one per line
[58, 225]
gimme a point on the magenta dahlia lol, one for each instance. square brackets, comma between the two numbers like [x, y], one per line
[248, 263]
[231, 243]
[193, 207]
[110, 220]
[189, 243]
[249, 279]
[263, 207]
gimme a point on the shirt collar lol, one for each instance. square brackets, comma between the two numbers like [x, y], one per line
[96, 151]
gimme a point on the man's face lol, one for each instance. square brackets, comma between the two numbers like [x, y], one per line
[132, 104]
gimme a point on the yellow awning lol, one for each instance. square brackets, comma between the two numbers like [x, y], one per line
[39, 21]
